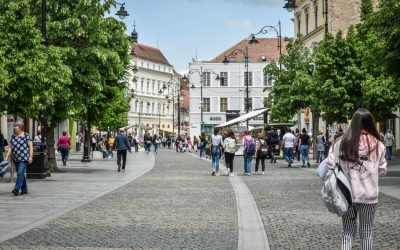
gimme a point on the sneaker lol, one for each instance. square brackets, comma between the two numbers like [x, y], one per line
[231, 174]
[308, 164]
[303, 166]
[217, 174]
[227, 173]
[15, 192]
[290, 165]
[256, 172]
[23, 193]
[274, 160]
[262, 172]
[123, 170]
[119, 167]
[64, 163]
[109, 157]
[213, 172]
[248, 174]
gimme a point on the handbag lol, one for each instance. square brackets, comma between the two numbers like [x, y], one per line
[281, 153]
[148, 142]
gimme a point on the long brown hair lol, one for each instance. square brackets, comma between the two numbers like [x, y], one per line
[362, 123]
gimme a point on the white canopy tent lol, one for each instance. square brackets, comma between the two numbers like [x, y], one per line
[243, 118]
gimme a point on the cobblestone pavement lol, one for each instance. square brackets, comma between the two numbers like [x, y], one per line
[290, 204]
[176, 205]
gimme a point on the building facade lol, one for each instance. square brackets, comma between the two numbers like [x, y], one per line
[150, 110]
[211, 99]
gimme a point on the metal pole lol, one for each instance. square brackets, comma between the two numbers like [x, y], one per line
[179, 114]
[201, 98]
[173, 112]
[246, 61]
[87, 136]
[280, 43]
[326, 17]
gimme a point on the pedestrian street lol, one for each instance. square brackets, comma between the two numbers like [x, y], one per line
[171, 201]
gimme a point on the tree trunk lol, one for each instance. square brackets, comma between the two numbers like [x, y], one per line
[51, 156]
[316, 115]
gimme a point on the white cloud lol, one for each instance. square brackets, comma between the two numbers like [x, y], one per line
[240, 24]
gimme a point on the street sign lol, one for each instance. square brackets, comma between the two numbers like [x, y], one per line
[203, 122]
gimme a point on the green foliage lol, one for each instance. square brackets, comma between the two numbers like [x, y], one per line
[289, 93]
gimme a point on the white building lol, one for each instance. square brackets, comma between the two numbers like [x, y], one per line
[230, 92]
[149, 108]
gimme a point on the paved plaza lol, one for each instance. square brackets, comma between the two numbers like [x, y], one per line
[171, 201]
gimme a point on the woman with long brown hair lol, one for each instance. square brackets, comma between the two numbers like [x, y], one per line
[362, 159]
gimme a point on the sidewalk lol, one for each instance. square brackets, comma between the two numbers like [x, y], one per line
[78, 184]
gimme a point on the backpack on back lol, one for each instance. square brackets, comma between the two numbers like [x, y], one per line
[263, 150]
[250, 147]
[231, 145]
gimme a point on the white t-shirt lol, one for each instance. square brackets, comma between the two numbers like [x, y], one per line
[289, 139]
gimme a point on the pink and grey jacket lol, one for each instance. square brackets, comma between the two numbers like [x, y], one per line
[363, 175]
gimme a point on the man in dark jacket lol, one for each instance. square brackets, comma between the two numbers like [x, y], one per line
[122, 144]
[272, 142]
[339, 134]
[1, 147]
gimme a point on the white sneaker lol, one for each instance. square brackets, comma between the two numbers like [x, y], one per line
[231, 174]
[217, 174]
[262, 172]
[123, 170]
[109, 157]
[248, 174]
[255, 172]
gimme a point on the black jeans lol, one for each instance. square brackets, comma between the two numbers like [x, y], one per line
[136, 145]
[262, 163]
[271, 151]
[297, 152]
[121, 153]
[229, 160]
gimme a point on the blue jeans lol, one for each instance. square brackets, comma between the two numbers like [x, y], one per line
[247, 158]
[216, 154]
[389, 151]
[147, 146]
[21, 181]
[304, 153]
[288, 154]
[320, 155]
[202, 149]
[155, 147]
[64, 153]
[105, 152]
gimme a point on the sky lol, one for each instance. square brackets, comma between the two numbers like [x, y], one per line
[182, 28]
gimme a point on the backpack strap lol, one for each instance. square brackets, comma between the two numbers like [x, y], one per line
[337, 149]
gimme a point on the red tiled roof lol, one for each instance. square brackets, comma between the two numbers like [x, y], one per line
[267, 47]
[149, 53]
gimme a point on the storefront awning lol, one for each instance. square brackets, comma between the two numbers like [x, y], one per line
[129, 126]
[243, 118]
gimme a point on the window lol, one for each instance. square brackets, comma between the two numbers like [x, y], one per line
[306, 22]
[148, 86]
[223, 105]
[224, 78]
[232, 59]
[141, 64]
[267, 80]
[206, 104]
[158, 86]
[164, 69]
[250, 78]
[159, 68]
[135, 63]
[142, 86]
[152, 108]
[298, 24]
[316, 16]
[153, 86]
[148, 65]
[136, 89]
[154, 66]
[169, 70]
[206, 79]
[136, 106]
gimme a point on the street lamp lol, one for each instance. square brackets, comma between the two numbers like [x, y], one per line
[201, 72]
[246, 64]
[122, 13]
[264, 30]
[174, 92]
[290, 5]
[141, 107]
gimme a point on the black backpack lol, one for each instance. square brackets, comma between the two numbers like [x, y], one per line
[263, 150]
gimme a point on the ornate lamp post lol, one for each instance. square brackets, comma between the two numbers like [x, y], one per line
[246, 64]
[201, 72]
[174, 92]
[264, 30]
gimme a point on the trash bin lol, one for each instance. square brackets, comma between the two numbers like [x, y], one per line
[38, 168]
[327, 147]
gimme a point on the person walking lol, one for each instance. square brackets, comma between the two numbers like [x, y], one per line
[1, 147]
[389, 143]
[297, 148]
[216, 143]
[362, 158]
[195, 143]
[155, 142]
[229, 149]
[248, 152]
[135, 143]
[147, 140]
[94, 142]
[77, 142]
[261, 146]
[110, 143]
[21, 150]
[288, 142]
[320, 146]
[272, 141]
[121, 143]
[64, 144]
[304, 142]
[203, 143]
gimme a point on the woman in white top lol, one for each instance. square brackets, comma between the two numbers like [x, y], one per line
[216, 140]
